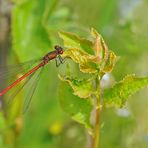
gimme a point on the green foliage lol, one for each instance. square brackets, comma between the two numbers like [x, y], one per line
[2, 122]
[101, 61]
[74, 41]
[82, 88]
[88, 63]
[28, 31]
[104, 61]
[122, 90]
[31, 30]
[79, 109]
[123, 24]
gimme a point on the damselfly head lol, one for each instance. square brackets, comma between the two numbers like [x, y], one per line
[59, 49]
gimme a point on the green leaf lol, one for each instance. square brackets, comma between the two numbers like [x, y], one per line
[79, 109]
[73, 41]
[110, 62]
[29, 35]
[121, 91]
[100, 46]
[82, 88]
[87, 62]
[103, 60]
[107, 58]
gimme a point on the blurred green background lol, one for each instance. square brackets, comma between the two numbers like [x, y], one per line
[29, 29]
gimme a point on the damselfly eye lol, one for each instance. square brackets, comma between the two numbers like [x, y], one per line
[59, 49]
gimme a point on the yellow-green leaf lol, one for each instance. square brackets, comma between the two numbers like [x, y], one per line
[82, 88]
[99, 45]
[88, 63]
[121, 91]
[109, 64]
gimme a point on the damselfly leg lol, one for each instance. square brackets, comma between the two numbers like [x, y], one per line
[62, 60]
[59, 60]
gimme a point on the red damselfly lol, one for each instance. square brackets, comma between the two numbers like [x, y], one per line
[28, 75]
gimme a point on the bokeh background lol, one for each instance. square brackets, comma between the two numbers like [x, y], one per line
[29, 29]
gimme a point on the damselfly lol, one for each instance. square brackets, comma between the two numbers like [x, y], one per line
[28, 75]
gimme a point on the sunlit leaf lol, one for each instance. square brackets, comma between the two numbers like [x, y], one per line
[121, 91]
[103, 59]
[107, 57]
[83, 88]
[87, 62]
[100, 46]
[110, 62]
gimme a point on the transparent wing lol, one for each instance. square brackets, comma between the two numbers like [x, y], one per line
[31, 89]
[12, 70]
[13, 94]
[27, 88]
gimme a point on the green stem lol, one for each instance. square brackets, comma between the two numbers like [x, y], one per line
[96, 138]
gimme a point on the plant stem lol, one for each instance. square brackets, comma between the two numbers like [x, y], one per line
[96, 138]
[96, 130]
